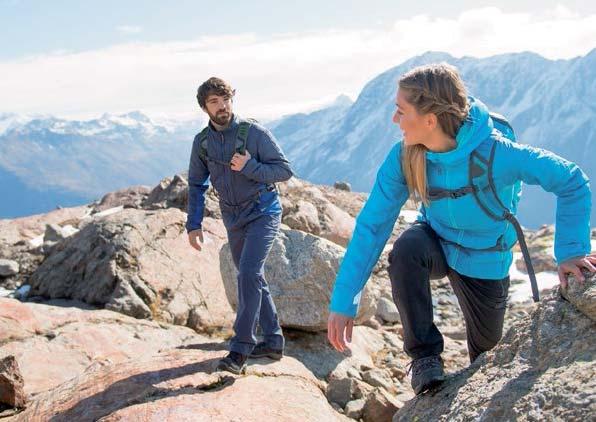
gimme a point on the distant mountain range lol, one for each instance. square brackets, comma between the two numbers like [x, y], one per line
[46, 162]
[549, 103]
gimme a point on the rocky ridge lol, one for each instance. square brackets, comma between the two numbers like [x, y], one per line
[116, 299]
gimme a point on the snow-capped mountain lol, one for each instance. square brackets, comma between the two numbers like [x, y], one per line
[46, 162]
[12, 120]
[549, 103]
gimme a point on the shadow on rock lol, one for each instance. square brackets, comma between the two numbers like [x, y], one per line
[313, 351]
[140, 388]
[209, 347]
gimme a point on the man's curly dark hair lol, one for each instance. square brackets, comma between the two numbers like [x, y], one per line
[214, 86]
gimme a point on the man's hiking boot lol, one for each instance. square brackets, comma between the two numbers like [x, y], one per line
[261, 350]
[427, 373]
[234, 362]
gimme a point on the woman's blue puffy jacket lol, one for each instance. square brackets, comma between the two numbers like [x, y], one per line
[462, 221]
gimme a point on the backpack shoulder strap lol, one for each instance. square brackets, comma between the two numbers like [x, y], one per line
[203, 138]
[480, 176]
[485, 194]
[243, 128]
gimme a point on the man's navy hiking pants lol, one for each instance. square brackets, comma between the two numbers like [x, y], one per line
[250, 238]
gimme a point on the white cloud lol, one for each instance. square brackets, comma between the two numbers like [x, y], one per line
[277, 75]
[129, 29]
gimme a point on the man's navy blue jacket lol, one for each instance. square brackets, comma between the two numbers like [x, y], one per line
[239, 189]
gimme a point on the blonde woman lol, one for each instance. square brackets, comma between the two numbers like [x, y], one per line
[450, 145]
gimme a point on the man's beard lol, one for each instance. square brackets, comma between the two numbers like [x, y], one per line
[222, 118]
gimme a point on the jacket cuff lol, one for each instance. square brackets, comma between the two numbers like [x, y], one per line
[350, 310]
[250, 166]
[568, 256]
[194, 227]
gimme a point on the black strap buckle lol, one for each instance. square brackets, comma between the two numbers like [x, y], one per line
[456, 194]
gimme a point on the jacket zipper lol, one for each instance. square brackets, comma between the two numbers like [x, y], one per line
[449, 202]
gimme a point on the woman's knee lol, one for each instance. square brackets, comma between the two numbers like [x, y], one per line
[488, 340]
[411, 244]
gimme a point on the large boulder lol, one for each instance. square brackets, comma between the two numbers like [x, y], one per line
[139, 263]
[307, 208]
[21, 240]
[350, 202]
[172, 192]
[131, 197]
[180, 385]
[336, 224]
[21, 230]
[543, 369]
[301, 270]
[169, 193]
[304, 217]
[55, 343]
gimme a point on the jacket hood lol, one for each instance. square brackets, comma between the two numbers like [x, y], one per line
[476, 128]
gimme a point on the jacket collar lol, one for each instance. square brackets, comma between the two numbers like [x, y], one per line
[231, 128]
[476, 128]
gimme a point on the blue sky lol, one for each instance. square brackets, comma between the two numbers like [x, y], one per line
[39, 26]
[82, 58]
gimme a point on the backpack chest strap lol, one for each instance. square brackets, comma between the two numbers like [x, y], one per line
[434, 194]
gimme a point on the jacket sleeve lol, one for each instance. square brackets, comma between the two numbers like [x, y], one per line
[270, 165]
[568, 182]
[198, 182]
[373, 227]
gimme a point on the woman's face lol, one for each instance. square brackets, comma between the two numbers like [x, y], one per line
[414, 126]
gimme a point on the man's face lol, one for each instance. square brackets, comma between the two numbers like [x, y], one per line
[219, 109]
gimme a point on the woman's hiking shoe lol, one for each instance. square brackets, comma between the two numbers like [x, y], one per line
[234, 362]
[261, 350]
[427, 373]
